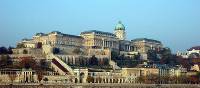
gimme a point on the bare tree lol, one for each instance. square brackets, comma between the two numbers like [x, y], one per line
[40, 75]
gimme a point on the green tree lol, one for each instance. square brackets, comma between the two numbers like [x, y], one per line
[5, 61]
[3, 50]
[137, 57]
[56, 50]
[152, 55]
[166, 56]
[44, 64]
[106, 61]
[40, 74]
[114, 55]
[93, 60]
[90, 79]
[10, 50]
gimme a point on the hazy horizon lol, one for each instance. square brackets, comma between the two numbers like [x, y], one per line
[176, 23]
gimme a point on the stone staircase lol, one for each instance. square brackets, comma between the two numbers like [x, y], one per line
[60, 66]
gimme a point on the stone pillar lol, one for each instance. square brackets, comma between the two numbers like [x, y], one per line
[102, 43]
[18, 77]
[28, 76]
[112, 80]
[118, 80]
[106, 80]
[122, 80]
[107, 43]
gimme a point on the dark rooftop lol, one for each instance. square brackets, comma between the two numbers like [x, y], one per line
[98, 32]
[53, 32]
[40, 34]
[195, 48]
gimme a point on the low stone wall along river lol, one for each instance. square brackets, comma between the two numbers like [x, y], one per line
[99, 86]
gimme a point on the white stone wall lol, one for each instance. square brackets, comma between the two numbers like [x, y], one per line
[57, 79]
[193, 51]
[18, 76]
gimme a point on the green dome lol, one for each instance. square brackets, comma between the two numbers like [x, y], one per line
[119, 26]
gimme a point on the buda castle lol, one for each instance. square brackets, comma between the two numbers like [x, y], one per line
[92, 42]
[78, 58]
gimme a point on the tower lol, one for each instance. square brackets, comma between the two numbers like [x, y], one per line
[120, 31]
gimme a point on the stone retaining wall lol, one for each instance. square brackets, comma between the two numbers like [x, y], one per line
[101, 86]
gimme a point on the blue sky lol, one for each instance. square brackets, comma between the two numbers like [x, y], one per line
[174, 22]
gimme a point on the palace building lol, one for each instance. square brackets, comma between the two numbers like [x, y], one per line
[56, 38]
[100, 40]
[94, 42]
[65, 42]
[142, 45]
